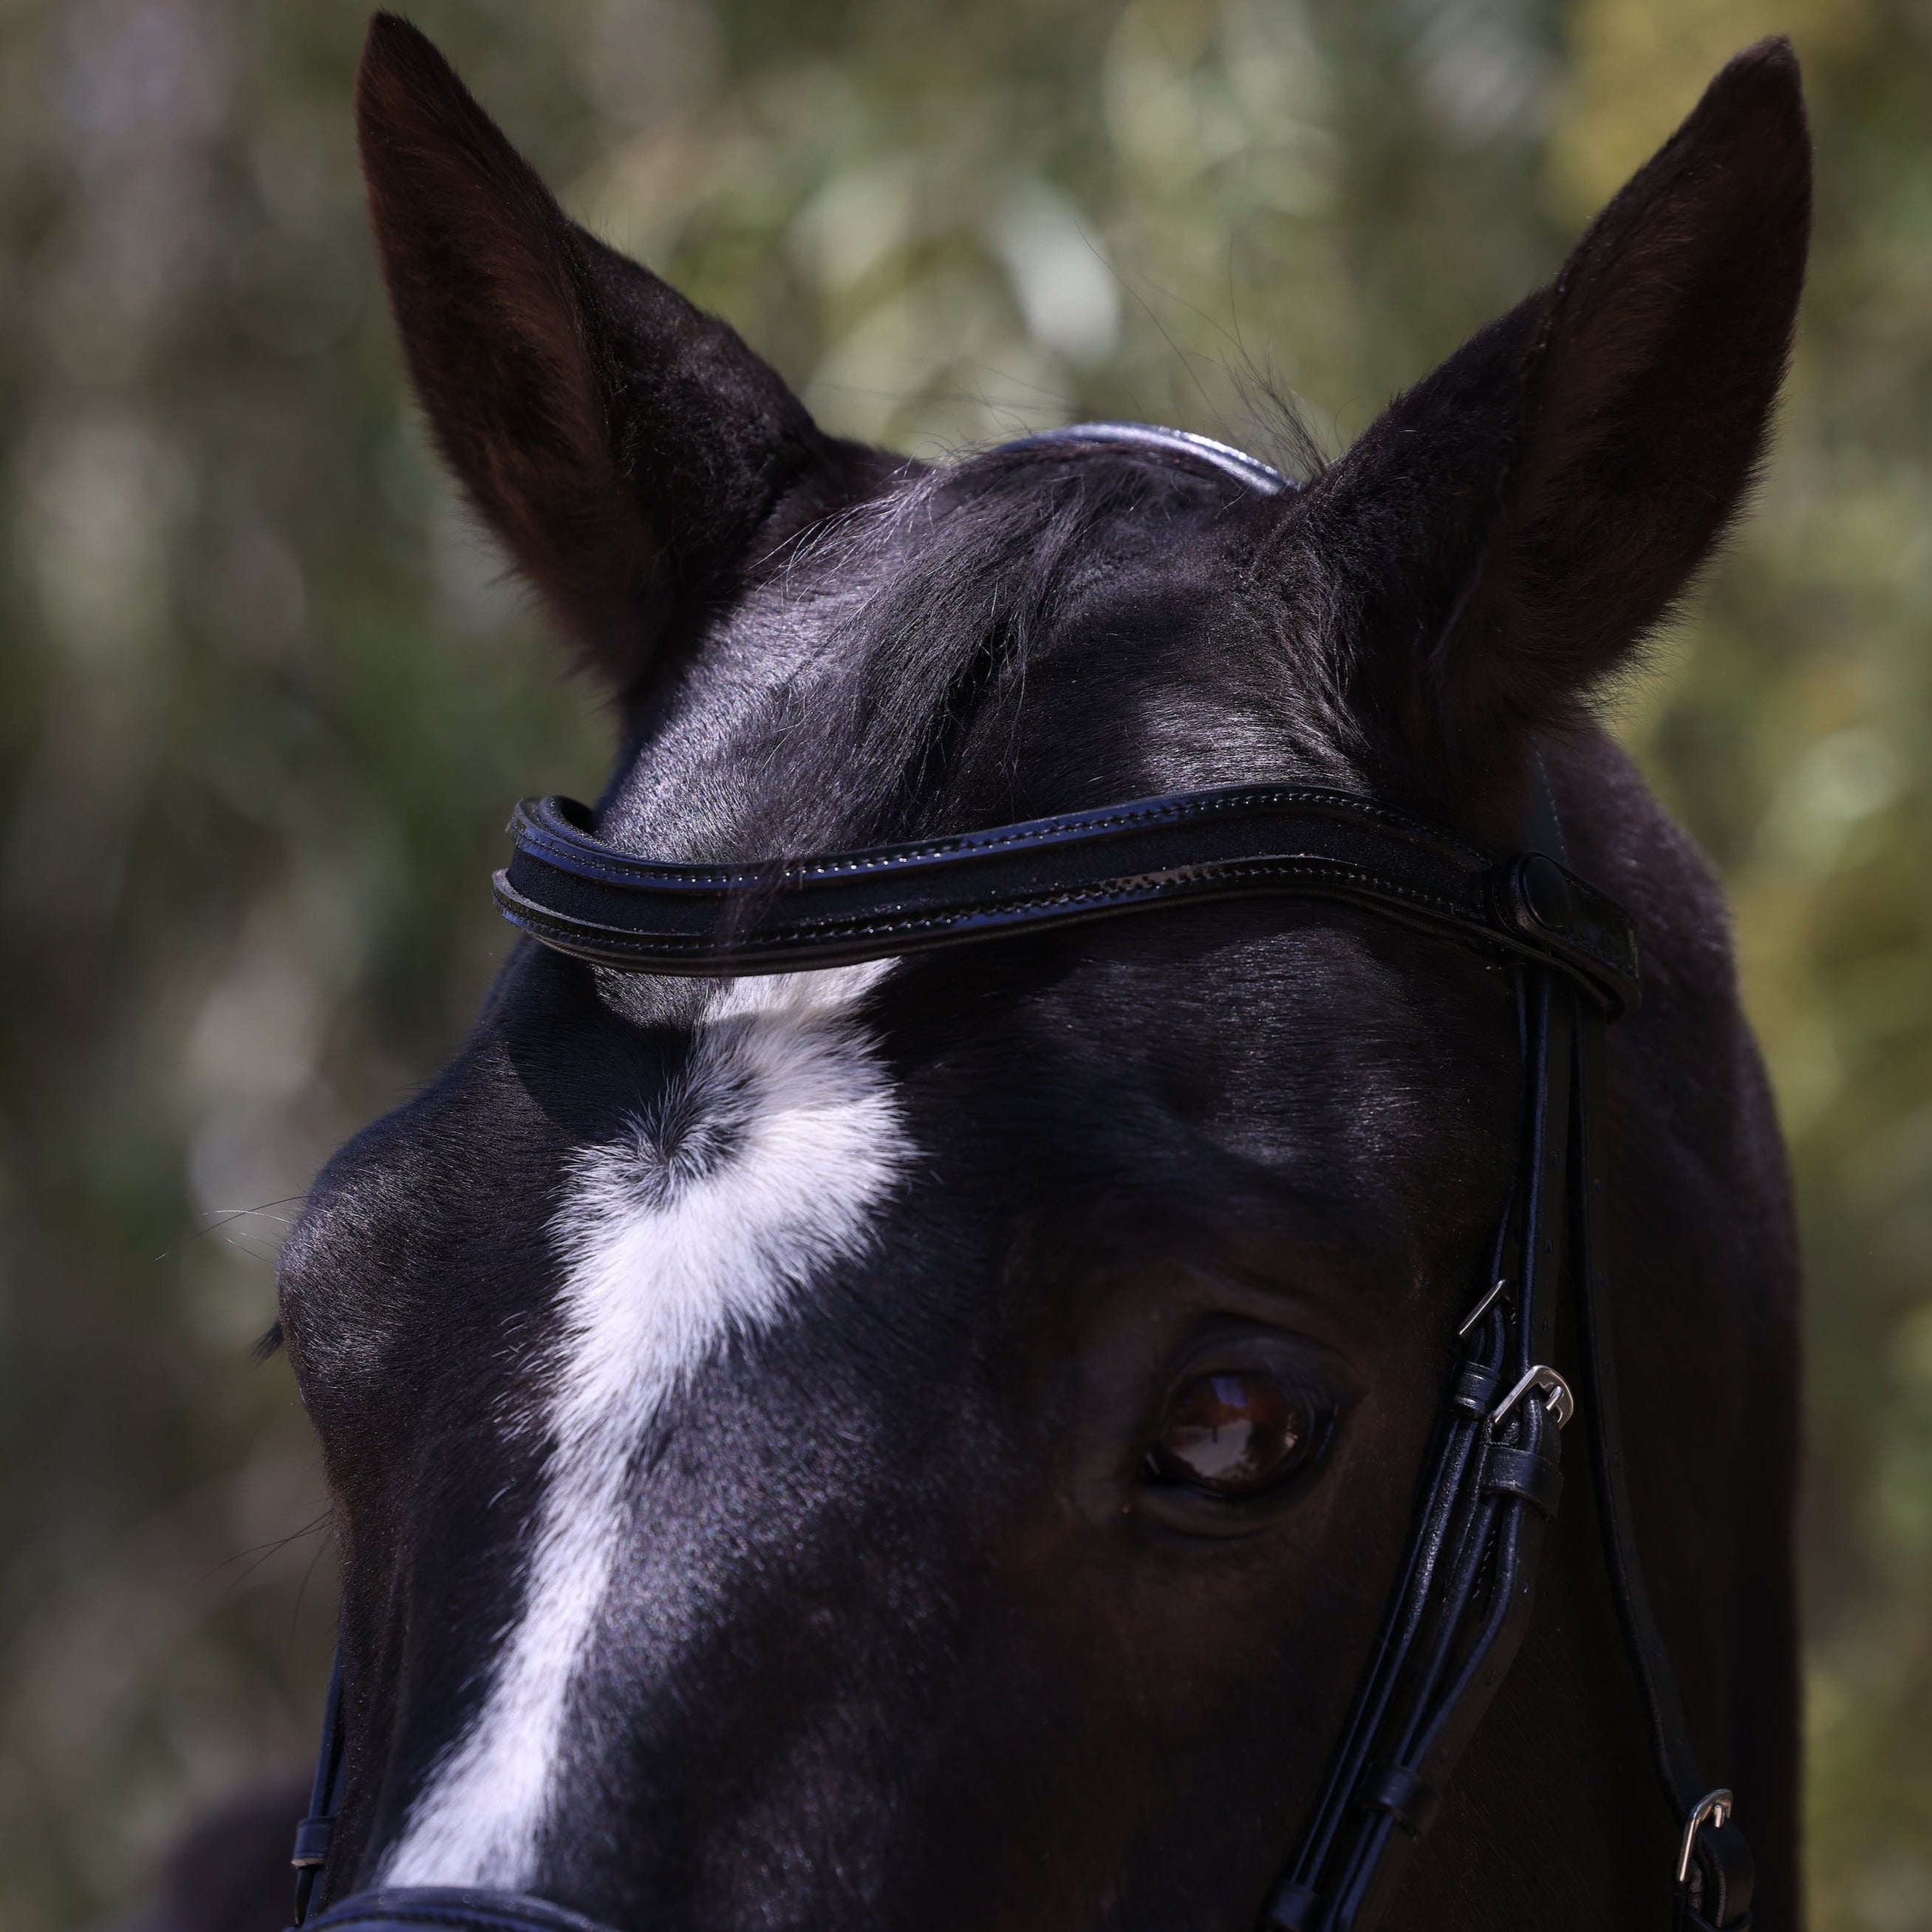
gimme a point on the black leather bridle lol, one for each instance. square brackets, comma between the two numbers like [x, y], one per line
[1462, 1596]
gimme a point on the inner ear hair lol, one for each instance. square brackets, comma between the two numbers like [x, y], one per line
[627, 449]
[1514, 525]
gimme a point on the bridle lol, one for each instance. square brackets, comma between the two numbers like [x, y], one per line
[1462, 1600]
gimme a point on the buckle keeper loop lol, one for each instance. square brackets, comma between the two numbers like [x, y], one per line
[1537, 1478]
[1408, 1798]
[312, 1836]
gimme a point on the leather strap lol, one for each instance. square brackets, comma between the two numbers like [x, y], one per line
[579, 896]
[1334, 1887]
[1468, 1581]
[1262, 478]
[1715, 1887]
[427, 1908]
[313, 1834]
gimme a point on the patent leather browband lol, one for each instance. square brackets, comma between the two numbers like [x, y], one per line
[579, 896]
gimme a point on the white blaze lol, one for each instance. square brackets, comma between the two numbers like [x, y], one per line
[790, 1136]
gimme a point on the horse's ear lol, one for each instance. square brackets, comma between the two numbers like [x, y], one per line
[1508, 530]
[626, 448]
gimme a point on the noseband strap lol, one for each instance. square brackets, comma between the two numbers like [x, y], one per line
[435, 1908]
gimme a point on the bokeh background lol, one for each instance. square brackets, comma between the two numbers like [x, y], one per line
[264, 696]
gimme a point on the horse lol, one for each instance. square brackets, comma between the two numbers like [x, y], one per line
[929, 1438]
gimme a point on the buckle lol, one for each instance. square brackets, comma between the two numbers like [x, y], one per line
[1715, 1808]
[1560, 1403]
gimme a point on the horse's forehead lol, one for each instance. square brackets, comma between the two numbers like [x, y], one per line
[762, 698]
[794, 720]
[719, 1150]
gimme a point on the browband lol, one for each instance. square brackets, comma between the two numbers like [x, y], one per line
[570, 890]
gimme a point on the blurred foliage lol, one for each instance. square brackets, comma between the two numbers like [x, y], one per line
[264, 698]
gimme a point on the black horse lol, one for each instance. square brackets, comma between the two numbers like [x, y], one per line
[927, 1442]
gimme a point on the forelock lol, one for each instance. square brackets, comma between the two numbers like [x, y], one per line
[827, 706]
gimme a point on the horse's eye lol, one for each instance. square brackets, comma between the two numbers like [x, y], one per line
[1235, 1434]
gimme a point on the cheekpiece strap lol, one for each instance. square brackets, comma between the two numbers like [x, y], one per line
[312, 1835]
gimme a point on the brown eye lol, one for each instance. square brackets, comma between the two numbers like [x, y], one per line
[1234, 1434]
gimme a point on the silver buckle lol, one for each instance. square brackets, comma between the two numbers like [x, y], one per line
[1556, 1398]
[1716, 1806]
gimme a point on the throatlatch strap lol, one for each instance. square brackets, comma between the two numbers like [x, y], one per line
[1714, 1873]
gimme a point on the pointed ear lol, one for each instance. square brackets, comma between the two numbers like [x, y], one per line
[1510, 528]
[626, 448]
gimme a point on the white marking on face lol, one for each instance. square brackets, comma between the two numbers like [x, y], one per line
[760, 1170]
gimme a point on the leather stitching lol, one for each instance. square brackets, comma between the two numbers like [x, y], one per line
[591, 856]
[1107, 892]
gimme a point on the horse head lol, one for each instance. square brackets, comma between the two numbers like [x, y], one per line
[928, 1440]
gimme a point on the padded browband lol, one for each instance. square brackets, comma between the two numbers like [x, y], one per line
[579, 896]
